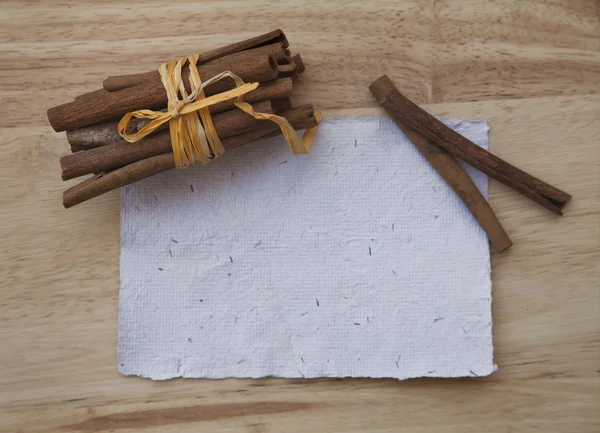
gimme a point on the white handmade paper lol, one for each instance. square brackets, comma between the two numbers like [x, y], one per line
[355, 260]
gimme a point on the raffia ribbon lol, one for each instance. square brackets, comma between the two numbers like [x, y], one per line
[193, 135]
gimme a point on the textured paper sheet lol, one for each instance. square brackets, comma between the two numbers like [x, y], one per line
[356, 260]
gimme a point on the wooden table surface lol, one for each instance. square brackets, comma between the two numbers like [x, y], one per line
[531, 68]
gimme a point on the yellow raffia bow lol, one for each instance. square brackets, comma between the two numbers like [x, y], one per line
[193, 135]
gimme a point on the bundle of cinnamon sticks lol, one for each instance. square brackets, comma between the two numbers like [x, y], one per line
[91, 119]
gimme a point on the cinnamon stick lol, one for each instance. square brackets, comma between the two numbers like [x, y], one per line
[405, 111]
[455, 176]
[276, 51]
[151, 94]
[256, 41]
[120, 153]
[104, 133]
[138, 170]
[105, 182]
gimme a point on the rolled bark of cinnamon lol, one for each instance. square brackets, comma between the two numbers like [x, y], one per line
[151, 94]
[104, 133]
[458, 179]
[138, 170]
[401, 108]
[275, 36]
[276, 51]
[256, 41]
[120, 153]
[452, 172]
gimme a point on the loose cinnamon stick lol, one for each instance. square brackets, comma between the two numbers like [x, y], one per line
[402, 109]
[151, 94]
[138, 170]
[119, 153]
[455, 176]
[104, 133]
[276, 51]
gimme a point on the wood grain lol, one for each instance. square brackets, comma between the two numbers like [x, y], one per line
[530, 68]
